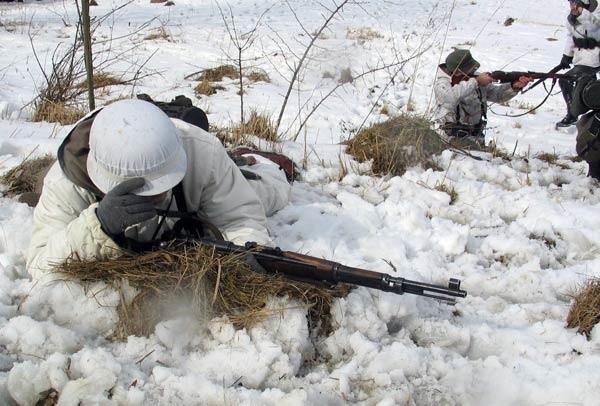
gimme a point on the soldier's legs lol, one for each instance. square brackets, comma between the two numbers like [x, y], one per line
[567, 86]
[594, 169]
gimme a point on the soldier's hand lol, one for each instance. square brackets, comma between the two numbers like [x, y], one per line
[521, 82]
[484, 79]
[120, 208]
[576, 7]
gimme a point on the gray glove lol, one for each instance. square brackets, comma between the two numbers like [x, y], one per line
[120, 208]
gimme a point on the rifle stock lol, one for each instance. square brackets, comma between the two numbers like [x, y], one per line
[305, 267]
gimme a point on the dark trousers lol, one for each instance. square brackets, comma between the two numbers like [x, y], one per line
[594, 169]
[567, 86]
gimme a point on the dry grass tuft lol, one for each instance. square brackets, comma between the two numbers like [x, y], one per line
[217, 74]
[585, 310]
[57, 112]
[159, 33]
[258, 76]
[258, 124]
[397, 144]
[206, 88]
[449, 190]
[552, 159]
[201, 283]
[548, 157]
[102, 80]
[24, 177]
[364, 34]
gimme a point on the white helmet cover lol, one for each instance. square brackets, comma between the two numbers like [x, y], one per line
[134, 138]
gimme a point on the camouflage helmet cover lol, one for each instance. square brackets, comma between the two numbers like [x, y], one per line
[462, 60]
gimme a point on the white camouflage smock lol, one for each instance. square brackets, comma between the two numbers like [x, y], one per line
[467, 97]
[65, 221]
[588, 25]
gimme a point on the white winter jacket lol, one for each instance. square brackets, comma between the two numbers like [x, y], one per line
[65, 221]
[588, 26]
[467, 99]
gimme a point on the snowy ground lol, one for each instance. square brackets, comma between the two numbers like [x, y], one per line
[521, 235]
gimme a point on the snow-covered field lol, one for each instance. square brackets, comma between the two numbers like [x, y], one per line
[521, 234]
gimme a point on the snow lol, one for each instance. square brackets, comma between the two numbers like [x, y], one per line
[521, 235]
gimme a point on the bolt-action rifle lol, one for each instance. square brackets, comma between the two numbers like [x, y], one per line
[304, 267]
[513, 76]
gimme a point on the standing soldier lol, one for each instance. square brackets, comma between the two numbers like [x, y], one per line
[582, 49]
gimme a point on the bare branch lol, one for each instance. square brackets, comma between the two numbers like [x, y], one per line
[302, 59]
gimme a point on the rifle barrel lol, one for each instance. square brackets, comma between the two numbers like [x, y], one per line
[511, 76]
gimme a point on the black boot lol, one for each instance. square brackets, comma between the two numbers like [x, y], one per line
[567, 121]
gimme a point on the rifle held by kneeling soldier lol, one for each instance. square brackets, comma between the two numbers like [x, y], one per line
[513, 76]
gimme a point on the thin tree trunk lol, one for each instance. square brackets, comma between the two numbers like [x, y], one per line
[87, 51]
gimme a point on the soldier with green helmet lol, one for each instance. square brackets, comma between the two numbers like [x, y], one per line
[462, 94]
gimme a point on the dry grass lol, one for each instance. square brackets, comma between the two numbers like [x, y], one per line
[209, 76]
[397, 144]
[552, 159]
[200, 283]
[258, 76]
[160, 33]
[364, 34]
[585, 310]
[258, 124]
[548, 157]
[102, 80]
[217, 74]
[449, 190]
[530, 107]
[57, 112]
[24, 177]
[205, 87]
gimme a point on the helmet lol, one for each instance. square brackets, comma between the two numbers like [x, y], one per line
[590, 96]
[134, 138]
[463, 60]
